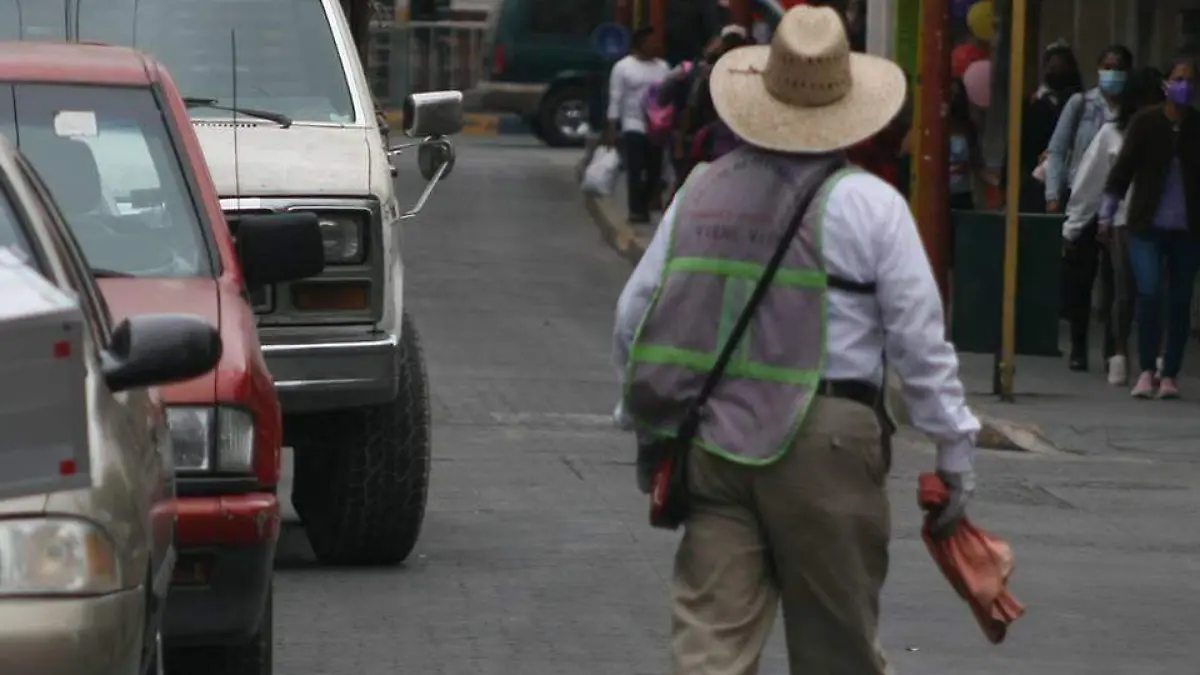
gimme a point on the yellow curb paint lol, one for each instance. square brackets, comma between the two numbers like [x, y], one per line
[474, 124]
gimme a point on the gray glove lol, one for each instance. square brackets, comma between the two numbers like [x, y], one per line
[961, 487]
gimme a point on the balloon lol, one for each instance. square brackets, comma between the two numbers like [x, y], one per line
[963, 56]
[977, 80]
[958, 9]
[981, 21]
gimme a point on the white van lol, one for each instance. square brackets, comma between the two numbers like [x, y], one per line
[283, 111]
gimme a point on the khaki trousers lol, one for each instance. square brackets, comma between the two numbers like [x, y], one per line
[810, 531]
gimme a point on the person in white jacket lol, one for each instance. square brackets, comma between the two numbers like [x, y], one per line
[1087, 192]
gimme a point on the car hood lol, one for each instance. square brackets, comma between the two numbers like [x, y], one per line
[32, 505]
[297, 161]
[128, 297]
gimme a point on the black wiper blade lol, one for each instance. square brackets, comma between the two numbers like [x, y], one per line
[271, 116]
[101, 273]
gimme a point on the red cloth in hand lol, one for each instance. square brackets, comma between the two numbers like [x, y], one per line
[976, 564]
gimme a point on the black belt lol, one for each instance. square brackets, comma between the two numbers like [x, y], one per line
[869, 395]
[859, 391]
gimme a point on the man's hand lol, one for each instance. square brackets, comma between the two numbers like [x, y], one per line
[1104, 233]
[1053, 206]
[961, 487]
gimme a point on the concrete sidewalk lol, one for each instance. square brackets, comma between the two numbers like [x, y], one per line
[1055, 410]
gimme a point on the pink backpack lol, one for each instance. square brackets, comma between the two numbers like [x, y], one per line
[660, 119]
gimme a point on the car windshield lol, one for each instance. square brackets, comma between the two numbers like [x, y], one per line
[287, 60]
[107, 157]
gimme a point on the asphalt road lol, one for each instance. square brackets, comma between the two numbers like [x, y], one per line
[536, 558]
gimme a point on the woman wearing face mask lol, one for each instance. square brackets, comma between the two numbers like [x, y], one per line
[1060, 81]
[1161, 159]
[1143, 90]
[1082, 117]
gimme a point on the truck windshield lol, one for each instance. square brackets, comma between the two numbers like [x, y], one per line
[287, 60]
[107, 158]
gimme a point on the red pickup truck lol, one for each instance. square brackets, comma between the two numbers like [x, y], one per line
[108, 133]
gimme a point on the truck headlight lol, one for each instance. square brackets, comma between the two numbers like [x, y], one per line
[212, 439]
[341, 234]
[56, 556]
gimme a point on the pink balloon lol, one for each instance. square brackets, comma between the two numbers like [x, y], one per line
[977, 80]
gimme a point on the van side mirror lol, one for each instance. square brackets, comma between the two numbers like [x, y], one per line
[156, 349]
[433, 114]
[278, 247]
[431, 117]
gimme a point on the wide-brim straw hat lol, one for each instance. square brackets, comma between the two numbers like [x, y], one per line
[806, 92]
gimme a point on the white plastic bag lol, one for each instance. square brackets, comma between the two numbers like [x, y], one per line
[600, 178]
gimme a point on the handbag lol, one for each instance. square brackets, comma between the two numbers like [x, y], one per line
[670, 497]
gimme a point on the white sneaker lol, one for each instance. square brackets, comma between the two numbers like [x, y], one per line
[1118, 375]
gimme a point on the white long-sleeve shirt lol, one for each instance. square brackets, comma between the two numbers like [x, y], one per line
[628, 82]
[1087, 189]
[868, 236]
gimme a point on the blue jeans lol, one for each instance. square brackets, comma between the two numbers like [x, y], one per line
[1148, 253]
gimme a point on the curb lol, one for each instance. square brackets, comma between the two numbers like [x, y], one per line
[620, 236]
[475, 124]
[994, 434]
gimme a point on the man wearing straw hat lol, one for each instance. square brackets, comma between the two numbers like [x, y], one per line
[786, 472]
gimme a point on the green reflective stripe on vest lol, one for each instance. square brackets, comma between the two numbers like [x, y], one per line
[747, 270]
[703, 362]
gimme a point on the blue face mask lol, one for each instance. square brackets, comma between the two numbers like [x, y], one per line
[1112, 81]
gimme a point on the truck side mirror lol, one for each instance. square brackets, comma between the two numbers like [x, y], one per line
[155, 349]
[433, 114]
[431, 117]
[279, 247]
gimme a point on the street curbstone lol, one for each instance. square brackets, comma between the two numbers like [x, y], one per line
[1005, 435]
[995, 433]
[616, 233]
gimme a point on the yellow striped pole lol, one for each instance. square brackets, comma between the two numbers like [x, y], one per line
[1016, 101]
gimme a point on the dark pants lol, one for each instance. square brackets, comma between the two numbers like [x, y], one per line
[1085, 257]
[1124, 291]
[643, 170]
[1148, 253]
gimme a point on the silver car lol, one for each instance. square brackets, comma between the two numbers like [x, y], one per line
[84, 572]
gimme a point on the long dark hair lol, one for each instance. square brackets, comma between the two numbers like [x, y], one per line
[1144, 88]
[1074, 78]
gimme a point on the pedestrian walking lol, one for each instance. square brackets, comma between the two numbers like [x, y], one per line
[1081, 120]
[786, 473]
[1061, 80]
[699, 136]
[630, 79]
[966, 156]
[1161, 160]
[1143, 90]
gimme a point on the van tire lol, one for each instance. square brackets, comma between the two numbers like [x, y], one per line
[362, 475]
[554, 100]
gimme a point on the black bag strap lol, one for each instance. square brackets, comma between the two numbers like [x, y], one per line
[691, 422]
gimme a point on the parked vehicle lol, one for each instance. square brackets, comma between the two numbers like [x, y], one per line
[107, 129]
[539, 59]
[84, 572]
[306, 139]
